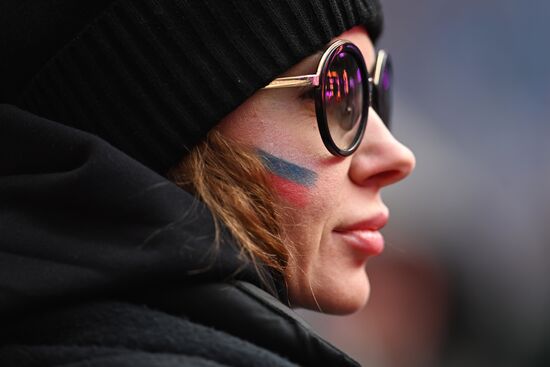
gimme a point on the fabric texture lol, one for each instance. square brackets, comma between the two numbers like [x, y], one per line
[103, 262]
[152, 77]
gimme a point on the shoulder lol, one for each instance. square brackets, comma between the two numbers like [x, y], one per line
[235, 324]
[125, 334]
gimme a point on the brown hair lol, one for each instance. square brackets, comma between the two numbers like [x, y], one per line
[232, 181]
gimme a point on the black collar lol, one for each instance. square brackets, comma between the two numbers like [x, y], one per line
[246, 311]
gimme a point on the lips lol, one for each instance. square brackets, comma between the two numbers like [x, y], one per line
[370, 243]
[364, 235]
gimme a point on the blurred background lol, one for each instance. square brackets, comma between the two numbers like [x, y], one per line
[464, 280]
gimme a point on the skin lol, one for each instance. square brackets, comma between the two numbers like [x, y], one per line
[291, 181]
[326, 274]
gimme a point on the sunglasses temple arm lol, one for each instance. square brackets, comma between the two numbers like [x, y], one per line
[294, 81]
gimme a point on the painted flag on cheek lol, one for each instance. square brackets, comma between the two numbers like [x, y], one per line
[291, 181]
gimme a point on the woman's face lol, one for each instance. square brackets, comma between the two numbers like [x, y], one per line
[335, 207]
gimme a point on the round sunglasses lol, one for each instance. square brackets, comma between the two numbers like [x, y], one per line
[343, 91]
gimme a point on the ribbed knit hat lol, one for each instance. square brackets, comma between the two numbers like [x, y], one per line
[152, 77]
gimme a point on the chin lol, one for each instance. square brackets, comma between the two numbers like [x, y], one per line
[342, 297]
[350, 298]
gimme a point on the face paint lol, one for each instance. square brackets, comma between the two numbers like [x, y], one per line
[291, 181]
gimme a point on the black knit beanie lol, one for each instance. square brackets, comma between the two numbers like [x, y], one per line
[152, 77]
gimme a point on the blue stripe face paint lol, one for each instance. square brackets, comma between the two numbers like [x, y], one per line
[287, 170]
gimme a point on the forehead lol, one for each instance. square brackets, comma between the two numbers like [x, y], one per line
[357, 35]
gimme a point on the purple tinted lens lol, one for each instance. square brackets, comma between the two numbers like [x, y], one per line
[386, 79]
[383, 89]
[343, 99]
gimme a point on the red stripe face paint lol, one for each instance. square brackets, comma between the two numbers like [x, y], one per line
[295, 194]
[291, 181]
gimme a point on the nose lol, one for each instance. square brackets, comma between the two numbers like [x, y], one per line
[380, 160]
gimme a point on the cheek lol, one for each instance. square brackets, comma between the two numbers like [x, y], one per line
[294, 194]
[289, 132]
[327, 197]
[294, 183]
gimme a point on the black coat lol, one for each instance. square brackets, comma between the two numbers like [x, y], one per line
[105, 263]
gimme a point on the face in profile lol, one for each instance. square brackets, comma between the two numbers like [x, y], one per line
[334, 206]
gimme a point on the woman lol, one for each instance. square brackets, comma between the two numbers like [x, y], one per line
[107, 263]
